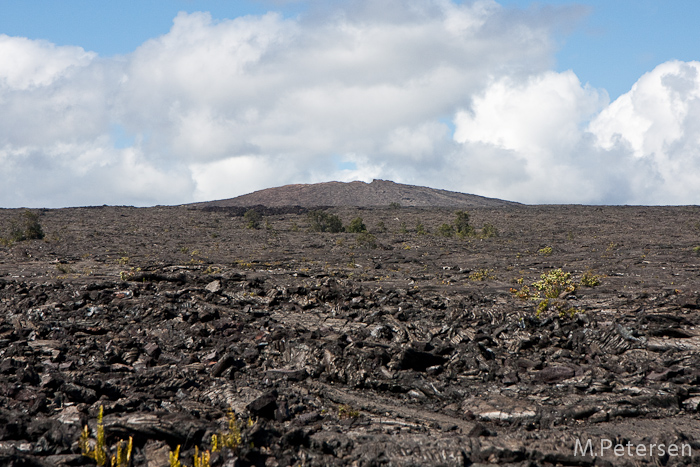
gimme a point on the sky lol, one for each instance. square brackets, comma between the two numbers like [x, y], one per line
[168, 102]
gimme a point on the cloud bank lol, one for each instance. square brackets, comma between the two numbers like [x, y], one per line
[427, 92]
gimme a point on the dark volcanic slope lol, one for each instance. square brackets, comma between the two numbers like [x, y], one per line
[377, 193]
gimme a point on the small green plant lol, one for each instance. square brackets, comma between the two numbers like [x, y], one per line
[346, 412]
[446, 230]
[420, 229]
[212, 270]
[231, 439]
[295, 227]
[174, 457]
[551, 290]
[123, 260]
[524, 293]
[381, 228]
[357, 226]
[99, 451]
[403, 229]
[394, 205]
[589, 279]
[555, 283]
[546, 251]
[696, 250]
[482, 275]
[201, 460]
[321, 221]
[64, 268]
[252, 218]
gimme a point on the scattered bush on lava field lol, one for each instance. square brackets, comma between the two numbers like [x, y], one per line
[366, 240]
[252, 218]
[356, 226]
[488, 231]
[24, 226]
[551, 290]
[546, 251]
[321, 221]
[461, 224]
[446, 230]
[482, 275]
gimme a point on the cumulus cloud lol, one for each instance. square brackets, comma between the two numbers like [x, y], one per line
[431, 92]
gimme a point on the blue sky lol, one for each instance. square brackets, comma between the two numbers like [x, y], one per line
[166, 102]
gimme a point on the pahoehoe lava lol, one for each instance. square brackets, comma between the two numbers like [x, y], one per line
[410, 349]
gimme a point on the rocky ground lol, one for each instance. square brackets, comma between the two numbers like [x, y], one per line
[341, 349]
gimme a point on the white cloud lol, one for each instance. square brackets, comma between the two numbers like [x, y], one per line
[214, 109]
[25, 63]
[658, 122]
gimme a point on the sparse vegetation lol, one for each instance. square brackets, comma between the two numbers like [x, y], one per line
[366, 240]
[24, 226]
[461, 224]
[555, 283]
[231, 439]
[394, 205]
[589, 279]
[252, 218]
[696, 250]
[420, 229]
[357, 226]
[345, 412]
[546, 251]
[97, 449]
[551, 291]
[321, 221]
[446, 230]
[482, 275]
[488, 231]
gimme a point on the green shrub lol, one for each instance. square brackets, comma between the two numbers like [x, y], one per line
[356, 226]
[380, 227]
[366, 240]
[696, 250]
[482, 275]
[252, 218]
[446, 230]
[589, 279]
[25, 226]
[462, 224]
[321, 221]
[394, 205]
[420, 229]
[489, 231]
[554, 283]
[546, 251]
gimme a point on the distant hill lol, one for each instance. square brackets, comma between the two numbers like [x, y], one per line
[377, 193]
